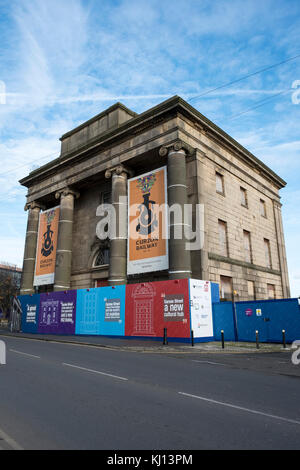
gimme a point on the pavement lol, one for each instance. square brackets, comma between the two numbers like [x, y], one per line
[153, 346]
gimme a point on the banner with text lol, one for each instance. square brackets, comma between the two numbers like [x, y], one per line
[101, 311]
[201, 308]
[30, 305]
[147, 222]
[57, 312]
[46, 247]
[153, 306]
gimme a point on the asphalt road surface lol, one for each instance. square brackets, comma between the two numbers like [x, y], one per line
[64, 396]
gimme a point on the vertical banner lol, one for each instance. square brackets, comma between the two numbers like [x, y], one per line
[147, 222]
[57, 313]
[201, 308]
[46, 247]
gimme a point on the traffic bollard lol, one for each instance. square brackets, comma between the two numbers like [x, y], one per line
[283, 339]
[165, 337]
[192, 337]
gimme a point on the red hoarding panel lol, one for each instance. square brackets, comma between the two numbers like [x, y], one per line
[153, 306]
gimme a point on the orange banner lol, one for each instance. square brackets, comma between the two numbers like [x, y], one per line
[147, 222]
[46, 247]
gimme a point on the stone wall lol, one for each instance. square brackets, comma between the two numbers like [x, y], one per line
[211, 158]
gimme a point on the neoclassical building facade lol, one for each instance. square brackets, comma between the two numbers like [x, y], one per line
[243, 245]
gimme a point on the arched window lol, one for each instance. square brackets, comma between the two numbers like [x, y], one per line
[102, 257]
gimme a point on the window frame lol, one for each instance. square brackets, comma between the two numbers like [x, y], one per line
[226, 244]
[248, 234]
[263, 208]
[244, 191]
[267, 249]
[220, 176]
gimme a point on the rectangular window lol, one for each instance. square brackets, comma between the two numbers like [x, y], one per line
[262, 206]
[271, 291]
[247, 246]
[223, 238]
[251, 290]
[268, 253]
[226, 288]
[219, 183]
[244, 201]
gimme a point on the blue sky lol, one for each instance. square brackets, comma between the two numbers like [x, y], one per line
[63, 61]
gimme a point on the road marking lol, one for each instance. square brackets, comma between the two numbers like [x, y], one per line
[25, 354]
[210, 362]
[94, 371]
[240, 408]
[8, 440]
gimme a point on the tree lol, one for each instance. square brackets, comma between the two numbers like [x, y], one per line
[8, 289]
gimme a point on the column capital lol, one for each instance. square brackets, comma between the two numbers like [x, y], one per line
[65, 192]
[33, 205]
[118, 170]
[176, 147]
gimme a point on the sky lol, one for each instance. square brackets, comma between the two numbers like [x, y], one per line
[63, 61]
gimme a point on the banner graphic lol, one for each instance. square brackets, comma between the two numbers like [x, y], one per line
[30, 305]
[57, 313]
[153, 306]
[101, 311]
[46, 247]
[147, 222]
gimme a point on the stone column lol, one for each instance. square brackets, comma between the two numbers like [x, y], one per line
[62, 279]
[281, 250]
[30, 248]
[118, 240]
[179, 256]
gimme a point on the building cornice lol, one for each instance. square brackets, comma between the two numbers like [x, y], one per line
[173, 106]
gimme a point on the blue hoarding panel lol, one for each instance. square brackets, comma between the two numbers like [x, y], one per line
[215, 292]
[101, 311]
[30, 305]
[223, 319]
[269, 318]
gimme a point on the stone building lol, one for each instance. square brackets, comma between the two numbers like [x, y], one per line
[11, 271]
[244, 248]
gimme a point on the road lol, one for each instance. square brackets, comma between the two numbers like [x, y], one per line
[65, 396]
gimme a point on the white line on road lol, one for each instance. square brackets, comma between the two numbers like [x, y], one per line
[25, 354]
[94, 371]
[210, 362]
[11, 442]
[248, 410]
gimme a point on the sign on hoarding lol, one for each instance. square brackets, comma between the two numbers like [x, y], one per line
[147, 222]
[173, 307]
[46, 247]
[201, 308]
[112, 309]
[57, 312]
[101, 311]
[30, 305]
[153, 306]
